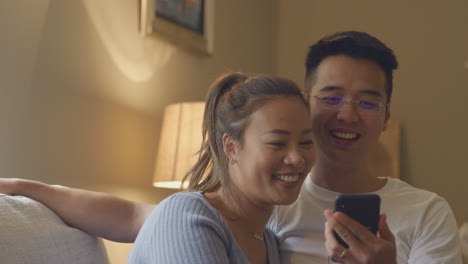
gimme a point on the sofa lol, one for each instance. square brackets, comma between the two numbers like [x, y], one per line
[30, 233]
[464, 241]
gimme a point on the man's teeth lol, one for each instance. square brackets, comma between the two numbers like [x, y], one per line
[345, 135]
[287, 178]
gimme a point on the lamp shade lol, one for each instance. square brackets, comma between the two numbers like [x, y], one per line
[180, 140]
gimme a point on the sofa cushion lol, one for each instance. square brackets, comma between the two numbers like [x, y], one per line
[31, 233]
[464, 241]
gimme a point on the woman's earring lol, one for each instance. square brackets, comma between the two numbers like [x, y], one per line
[233, 161]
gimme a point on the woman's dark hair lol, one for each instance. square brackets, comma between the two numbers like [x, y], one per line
[230, 102]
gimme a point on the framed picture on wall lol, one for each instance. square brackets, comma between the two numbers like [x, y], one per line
[185, 23]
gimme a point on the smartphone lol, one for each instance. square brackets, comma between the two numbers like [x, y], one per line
[364, 208]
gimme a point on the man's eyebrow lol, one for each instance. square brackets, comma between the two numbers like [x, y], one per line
[365, 92]
[371, 92]
[330, 88]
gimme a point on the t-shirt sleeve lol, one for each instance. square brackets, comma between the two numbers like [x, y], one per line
[273, 221]
[182, 229]
[436, 240]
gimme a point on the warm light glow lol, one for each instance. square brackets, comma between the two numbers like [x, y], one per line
[116, 23]
[170, 184]
[180, 140]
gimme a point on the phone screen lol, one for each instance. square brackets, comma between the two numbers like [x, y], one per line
[364, 208]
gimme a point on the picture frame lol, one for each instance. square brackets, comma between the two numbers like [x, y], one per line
[185, 23]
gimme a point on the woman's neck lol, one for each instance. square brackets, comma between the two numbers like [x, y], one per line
[238, 210]
[246, 220]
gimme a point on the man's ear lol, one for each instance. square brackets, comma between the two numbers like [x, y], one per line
[229, 146]
[387, 116]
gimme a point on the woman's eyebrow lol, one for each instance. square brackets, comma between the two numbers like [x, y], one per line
[277, 131]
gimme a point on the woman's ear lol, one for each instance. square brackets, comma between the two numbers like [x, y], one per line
[229, 147]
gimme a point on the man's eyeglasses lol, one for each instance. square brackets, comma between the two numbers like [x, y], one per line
[366, 107]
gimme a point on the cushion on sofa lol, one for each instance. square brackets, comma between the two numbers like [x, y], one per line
[464, 241]
[32, 233]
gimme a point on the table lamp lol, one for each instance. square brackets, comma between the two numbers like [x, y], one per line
[180, 140]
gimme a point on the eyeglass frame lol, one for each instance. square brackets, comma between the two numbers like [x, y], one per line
[357, 102]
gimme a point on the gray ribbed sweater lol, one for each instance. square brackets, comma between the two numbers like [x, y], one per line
[186, 229]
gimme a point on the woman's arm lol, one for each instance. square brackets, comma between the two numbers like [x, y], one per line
[100, 214]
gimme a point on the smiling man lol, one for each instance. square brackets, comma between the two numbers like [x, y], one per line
[349, 81]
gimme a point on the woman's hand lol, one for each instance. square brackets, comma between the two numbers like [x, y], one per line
[364, 246]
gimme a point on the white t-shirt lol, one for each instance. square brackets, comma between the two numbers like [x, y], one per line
[422, 222]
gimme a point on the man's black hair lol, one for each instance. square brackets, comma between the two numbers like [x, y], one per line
[357, 45]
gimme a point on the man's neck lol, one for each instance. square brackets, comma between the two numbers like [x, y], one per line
[345, 177]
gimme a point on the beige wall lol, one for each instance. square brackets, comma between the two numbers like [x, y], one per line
[430, 97]
[83, 92]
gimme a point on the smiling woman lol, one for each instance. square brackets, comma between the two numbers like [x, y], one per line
[257, 150]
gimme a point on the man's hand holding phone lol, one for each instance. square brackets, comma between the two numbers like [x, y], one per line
[363, 246]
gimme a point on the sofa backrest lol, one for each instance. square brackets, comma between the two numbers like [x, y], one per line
[31, 233]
